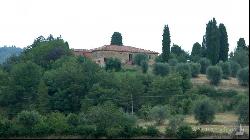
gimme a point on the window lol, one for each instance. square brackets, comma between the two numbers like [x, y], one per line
[130, 57]
[105, 59]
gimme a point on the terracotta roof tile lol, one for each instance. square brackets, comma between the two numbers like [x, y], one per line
[122, 49]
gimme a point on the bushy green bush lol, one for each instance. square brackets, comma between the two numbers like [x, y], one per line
[159, 114]
[144, 112]
[175, 122]
[195, 69]
[185, 132]
[72, 120]
[161, 69]
[139, 58]
[243, 76]
[113, 63]
[234, 68]
[58, 123]
[204, 62]
[226, 69]
[243, 111]
[204, 111]
[5, 128]
[214, 74]
[172, 62]
[144, 66]
[152, 131]
[184, 70]
[28, 118]
[87, 131]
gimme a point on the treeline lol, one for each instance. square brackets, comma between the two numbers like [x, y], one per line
[6, 52]
[46, 90]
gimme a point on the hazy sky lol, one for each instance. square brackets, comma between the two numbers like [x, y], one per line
[90, 23]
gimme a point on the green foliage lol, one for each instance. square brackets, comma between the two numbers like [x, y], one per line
[116, 39]
[214, 74]
[234, 68]
[243, 111]
[6, 52]
[27, 120]
[241, 44]
[166, 86]
[226, 69]
[144, 66]
[185, 132]
[243, 76]
[204, 111]
[139, 58]
[113, 63]
[45, 51]
[224, 46]
[161, 69]
[152, 131]
[196, 53]
[172, 62]
[5, 127]
[108, 116]
[184, 70]
[159, 114]
[175, 122]
[144, 112]
[205, 63]
[178, 53]
[73, 120]
[166, 44]
[195, 69]
[57, 123]
[241, 56]
[87, 131]
[212, 41]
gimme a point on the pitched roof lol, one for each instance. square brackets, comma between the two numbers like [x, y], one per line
[122, 49]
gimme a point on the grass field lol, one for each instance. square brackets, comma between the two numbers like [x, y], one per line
[223, 123]
[231, 83]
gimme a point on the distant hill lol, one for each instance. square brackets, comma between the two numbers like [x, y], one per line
[6, 52]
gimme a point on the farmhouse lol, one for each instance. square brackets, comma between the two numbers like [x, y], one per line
[124, 53]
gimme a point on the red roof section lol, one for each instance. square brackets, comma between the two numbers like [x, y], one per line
[122, 49]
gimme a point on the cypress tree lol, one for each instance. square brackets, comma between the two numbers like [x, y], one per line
[116, 39]
[196, 50]
[241, 44]
[223, 55]
[166, 44]
[212, 41]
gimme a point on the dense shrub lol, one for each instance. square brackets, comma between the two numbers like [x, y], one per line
[204, 62]
[234, 68]
[243, 76]
[72, 120]
[144, 66]
[5, 127]
[204, 111]
[214, 74]
[152, 131]
[175, 122]
[172, 62]
[195, 69]
[28, 119]
[58, 123]
[226, 69]
[113, 63]
[139, 58]
[144, 112]
[87, 131]
[185, 132]
[184, 70]
[243, 111]
[161, 69]
[159, 114]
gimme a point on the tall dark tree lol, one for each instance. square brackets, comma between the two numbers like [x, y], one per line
[166, 44]
[212, 41]
[223, 55]
[116, 39]
[203, 46]
[196, 50]
[241, 44]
